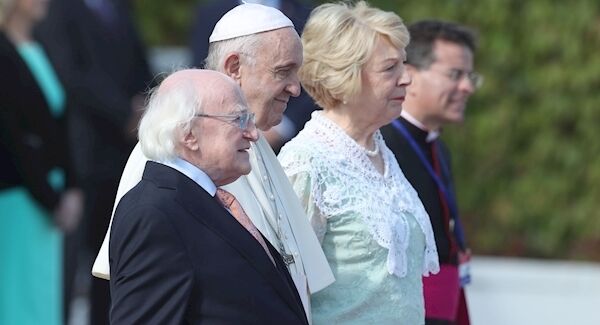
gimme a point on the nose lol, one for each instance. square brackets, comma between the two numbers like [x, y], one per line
[466, 85]
[294, 88]
[251, 132]
[405, 79]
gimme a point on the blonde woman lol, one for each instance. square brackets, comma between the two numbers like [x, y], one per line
[372, 226]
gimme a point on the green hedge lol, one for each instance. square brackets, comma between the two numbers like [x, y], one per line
[164, 23]
[527, 160]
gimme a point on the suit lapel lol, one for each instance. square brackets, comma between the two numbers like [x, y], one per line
[207, 210]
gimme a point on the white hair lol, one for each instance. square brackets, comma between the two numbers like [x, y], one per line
[168, 115]
[247, 46]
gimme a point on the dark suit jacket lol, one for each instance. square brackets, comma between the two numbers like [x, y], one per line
[207, 15]
[178, 257]
[32, 141]
[104, 66]
[421, 180]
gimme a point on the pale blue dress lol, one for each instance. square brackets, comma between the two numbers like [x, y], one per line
[373, 228]
[30, 244]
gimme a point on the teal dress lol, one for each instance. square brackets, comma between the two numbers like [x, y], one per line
[30, 244]
[373, 228]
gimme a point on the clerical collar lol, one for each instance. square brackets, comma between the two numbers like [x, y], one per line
[192, 172]
[431, 135]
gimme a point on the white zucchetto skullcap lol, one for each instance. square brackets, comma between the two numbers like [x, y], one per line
[248, 19]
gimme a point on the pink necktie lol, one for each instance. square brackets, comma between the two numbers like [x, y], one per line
[229, 202]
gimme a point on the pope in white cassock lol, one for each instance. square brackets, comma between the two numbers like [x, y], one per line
[258, 47]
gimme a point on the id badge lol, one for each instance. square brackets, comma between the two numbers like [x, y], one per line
[464, 267]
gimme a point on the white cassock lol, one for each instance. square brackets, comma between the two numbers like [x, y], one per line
[270, 201]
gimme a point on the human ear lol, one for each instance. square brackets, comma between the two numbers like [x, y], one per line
[190, 141]
[232, 66]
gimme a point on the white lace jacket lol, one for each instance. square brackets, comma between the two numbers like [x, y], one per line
[343, 179]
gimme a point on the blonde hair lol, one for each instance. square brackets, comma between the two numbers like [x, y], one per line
[338, 39]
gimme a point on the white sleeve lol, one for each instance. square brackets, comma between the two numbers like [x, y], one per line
[301, 183]
[132, 174]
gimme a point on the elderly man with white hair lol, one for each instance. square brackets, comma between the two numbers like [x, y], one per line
[258, 47]
[182, 251]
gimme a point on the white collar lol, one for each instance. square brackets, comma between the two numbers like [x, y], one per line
[431, 135]
[192, 172]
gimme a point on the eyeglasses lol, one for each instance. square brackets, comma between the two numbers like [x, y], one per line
[241, 120]
[457, 75]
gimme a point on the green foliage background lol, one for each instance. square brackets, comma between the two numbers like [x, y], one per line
[527, 158]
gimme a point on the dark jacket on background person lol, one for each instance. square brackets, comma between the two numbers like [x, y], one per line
[105, 65]
[32, 141]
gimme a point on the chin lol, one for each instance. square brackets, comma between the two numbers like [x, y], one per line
[396, 107]
[276, 121]
[246, 169]
[273, 120]
[392, 114]
[456, 119]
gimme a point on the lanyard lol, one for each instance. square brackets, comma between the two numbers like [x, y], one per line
[458, 231]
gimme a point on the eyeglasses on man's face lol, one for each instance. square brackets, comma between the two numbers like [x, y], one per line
[456, 75]
[241, 120]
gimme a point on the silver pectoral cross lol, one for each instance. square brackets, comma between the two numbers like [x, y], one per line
[287, 258]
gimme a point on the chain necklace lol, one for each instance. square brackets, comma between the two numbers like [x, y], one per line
[287, 258]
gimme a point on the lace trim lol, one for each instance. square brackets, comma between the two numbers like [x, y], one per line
[344, 179]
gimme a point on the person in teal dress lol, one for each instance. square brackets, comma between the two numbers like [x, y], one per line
[37, 198]
[371, 223]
